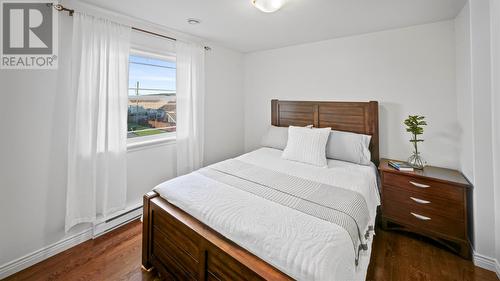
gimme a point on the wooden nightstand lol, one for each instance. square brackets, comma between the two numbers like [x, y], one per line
[432, 202]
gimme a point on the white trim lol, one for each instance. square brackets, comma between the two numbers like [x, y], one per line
[145, 52]
[44, 253]
[149, 143]
[498, 269]
[98, 229]
[487, 263]
[118, 213]
[117, 220]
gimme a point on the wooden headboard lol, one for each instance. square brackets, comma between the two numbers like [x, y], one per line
[356, 117]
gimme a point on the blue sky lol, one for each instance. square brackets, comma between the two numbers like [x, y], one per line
[151, 74]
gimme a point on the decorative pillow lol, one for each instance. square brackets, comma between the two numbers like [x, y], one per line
[307, 145]
[350, 147]
[276, 137]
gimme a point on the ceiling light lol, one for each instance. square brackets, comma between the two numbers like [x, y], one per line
[268, 6]
[193, 21]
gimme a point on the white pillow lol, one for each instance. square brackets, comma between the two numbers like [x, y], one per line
[350, 147]
[276, 137]
[307, 145]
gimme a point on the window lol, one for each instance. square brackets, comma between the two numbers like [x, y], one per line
[151, 96]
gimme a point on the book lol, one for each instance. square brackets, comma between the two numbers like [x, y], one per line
[401, 166]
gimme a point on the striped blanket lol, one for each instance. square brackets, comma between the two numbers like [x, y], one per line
[343, 207]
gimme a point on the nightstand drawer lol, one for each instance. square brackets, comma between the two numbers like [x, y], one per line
[424, 203]
[424, 220]
[424, 186]
[431, 202]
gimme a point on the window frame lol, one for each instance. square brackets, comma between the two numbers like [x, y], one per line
[167, 137]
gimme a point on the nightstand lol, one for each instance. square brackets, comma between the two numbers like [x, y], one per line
[432, 202]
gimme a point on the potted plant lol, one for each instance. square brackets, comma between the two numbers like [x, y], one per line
[414, 125]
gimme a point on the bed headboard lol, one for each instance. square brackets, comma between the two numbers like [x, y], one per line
[356, 117]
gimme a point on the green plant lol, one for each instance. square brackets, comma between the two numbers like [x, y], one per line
[414, 125]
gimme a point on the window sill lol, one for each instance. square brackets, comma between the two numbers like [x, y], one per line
[148, 143]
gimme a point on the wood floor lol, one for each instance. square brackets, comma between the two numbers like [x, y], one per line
[402, 256]
[117, 256]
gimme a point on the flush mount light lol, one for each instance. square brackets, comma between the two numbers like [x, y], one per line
[268, 6]
[193, 21]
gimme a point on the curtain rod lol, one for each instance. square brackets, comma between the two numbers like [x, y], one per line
[61, 8]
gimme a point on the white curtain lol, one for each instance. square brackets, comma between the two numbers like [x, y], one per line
[190, 106]
[97, 171]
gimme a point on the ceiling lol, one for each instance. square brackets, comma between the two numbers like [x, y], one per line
[238, 25]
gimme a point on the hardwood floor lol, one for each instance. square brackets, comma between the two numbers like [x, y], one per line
[117, 256]
[404, 256]
[113, 256]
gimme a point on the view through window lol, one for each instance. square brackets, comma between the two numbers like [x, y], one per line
[151, 96]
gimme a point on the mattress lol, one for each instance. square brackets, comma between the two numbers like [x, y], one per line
[300, 245]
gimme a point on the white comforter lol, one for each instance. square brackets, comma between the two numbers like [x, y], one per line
[300, 245]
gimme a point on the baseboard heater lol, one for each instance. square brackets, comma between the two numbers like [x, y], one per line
[117, 221]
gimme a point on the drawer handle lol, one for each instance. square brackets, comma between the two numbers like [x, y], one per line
[419, 184]
[420, 201]
[420, 217]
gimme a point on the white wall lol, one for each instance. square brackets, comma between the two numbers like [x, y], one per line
[413, 70]
[484, 219]
[478, 85]
[33, 161]
[147, 167]
[223, 105]
[33, 145]
[464, 91]
[409, 71]
[495, 106]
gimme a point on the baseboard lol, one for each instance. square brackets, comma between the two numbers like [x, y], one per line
[44, 253]
[117, 220]
[98, 229]
[487, 263]
[498, 269]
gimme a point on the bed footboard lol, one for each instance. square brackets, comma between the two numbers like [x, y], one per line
[180, 247]
[146, 231]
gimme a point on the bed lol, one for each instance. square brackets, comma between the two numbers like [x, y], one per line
[201, 227]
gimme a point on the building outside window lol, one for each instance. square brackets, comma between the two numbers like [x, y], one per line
[151, 96]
